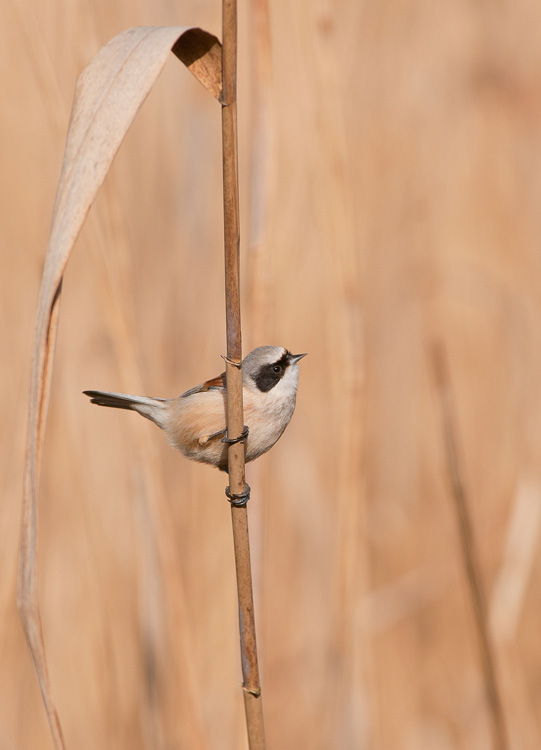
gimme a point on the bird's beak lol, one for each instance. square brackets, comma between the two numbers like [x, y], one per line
[294, 358]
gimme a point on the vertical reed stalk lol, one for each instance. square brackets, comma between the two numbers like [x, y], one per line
[469, 549]
[235, 420]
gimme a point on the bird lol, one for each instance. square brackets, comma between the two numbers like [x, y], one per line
[195, 422]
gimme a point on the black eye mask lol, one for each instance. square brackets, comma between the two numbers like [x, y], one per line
[270, 375]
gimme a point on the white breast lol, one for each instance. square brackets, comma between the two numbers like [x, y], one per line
[268, 414]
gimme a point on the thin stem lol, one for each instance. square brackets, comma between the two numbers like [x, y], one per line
[235, 419]
[469, 548]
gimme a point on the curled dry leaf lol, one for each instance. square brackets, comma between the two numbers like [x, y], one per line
[108, 94]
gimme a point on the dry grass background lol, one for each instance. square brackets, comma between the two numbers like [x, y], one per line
[403, 207]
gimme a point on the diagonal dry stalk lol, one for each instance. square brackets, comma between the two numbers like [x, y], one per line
[235, 419]
[469, 548]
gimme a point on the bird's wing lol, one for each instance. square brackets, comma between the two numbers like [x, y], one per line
[215, 384]
[197, 417]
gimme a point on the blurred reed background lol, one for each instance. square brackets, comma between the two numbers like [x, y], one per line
[390, 186]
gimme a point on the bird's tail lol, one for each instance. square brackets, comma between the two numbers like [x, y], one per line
[151, 408]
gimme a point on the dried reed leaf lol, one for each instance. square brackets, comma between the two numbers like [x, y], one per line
[108, 94]
[201, 53]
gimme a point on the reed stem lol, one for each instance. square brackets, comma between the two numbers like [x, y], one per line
[235, 419]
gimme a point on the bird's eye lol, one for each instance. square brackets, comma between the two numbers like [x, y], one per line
[277, 368]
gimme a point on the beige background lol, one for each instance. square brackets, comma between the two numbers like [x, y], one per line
[396, 202]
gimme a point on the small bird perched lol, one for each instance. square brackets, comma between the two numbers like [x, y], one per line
[195, 422]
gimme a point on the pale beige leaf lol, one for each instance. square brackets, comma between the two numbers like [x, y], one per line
[108, 94]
